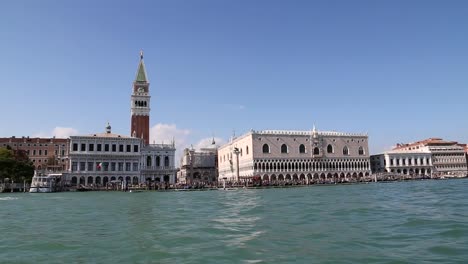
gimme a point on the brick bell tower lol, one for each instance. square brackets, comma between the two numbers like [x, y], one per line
[140, 108]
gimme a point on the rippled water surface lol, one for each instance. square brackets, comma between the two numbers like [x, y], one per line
[403, 222]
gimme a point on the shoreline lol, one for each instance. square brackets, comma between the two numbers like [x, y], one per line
[235, 188]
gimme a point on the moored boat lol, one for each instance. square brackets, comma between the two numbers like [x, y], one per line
[44, 183]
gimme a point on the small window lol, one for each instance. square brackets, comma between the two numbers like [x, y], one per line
[247, 150]
[316, 151]
[329, 149]
[121, 148]
[75, 147]
[129, 148]
[284, 148]
[114, 148]
[99, 147]
[345, 151]
[106, 147]
[361, 151]
[266, 148]
[83, 147]
[135, 148]
[91, 147]
[302, 149]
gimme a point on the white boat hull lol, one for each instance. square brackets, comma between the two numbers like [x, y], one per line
[40, 190]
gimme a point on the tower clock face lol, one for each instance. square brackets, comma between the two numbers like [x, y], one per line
[141, 89]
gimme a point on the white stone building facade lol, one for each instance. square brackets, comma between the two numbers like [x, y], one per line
[294, 155]
[448, 157]
[98, 159]
[415, 163]
[158, 163]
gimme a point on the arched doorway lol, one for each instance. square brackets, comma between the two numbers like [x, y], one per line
[135, 180]
[166, 178]
[98, 180]
[90, 180]
[74, 180]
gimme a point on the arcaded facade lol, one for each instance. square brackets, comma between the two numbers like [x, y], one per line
[406, 162]
[448, 157]
[100, 158]
[158, 163]
[294, 155]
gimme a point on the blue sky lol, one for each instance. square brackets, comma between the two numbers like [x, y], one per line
[397, 70]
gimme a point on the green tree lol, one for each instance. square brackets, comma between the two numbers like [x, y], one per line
[15, 165]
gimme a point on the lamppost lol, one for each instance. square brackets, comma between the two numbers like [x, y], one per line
[236, 151]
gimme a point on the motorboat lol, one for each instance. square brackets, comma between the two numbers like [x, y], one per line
[45, 183]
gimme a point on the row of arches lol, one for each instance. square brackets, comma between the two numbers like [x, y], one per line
[98, 180]
[411, 171]
[141, 103]
[307, 165]
[315, 176]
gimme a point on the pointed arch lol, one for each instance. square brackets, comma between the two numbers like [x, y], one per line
[361, 151]
[316, 151]
[266, 148]
[345, 150]
[329, 148]
[302, 149]
[284, 148]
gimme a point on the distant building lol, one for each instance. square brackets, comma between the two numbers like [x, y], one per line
[407, 162]
[100, 158]
[45, 153]
[447, 158]
[294, 155]
[199, 166]
[158, 163]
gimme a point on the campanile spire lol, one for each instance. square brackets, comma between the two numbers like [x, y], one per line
[140, 103]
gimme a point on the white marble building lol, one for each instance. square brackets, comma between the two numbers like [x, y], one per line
[294, 155]
[100, 158]
[158, 163]
[448, 157]
[407, 162]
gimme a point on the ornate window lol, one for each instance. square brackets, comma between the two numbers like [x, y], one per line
[266, 148]
[329, 148]
[302, 149]
[361, 151]
[148, 161]
[247, 150]
[346, 151]
[284, 148]
[166, 161]
[158, 161]
[316, 151]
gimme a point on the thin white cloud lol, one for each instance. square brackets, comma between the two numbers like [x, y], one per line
[234, 106]
[58, 132]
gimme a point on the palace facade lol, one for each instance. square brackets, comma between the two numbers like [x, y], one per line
[100, 158]
[294, 155]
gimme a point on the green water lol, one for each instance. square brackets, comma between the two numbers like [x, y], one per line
[403, 222]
